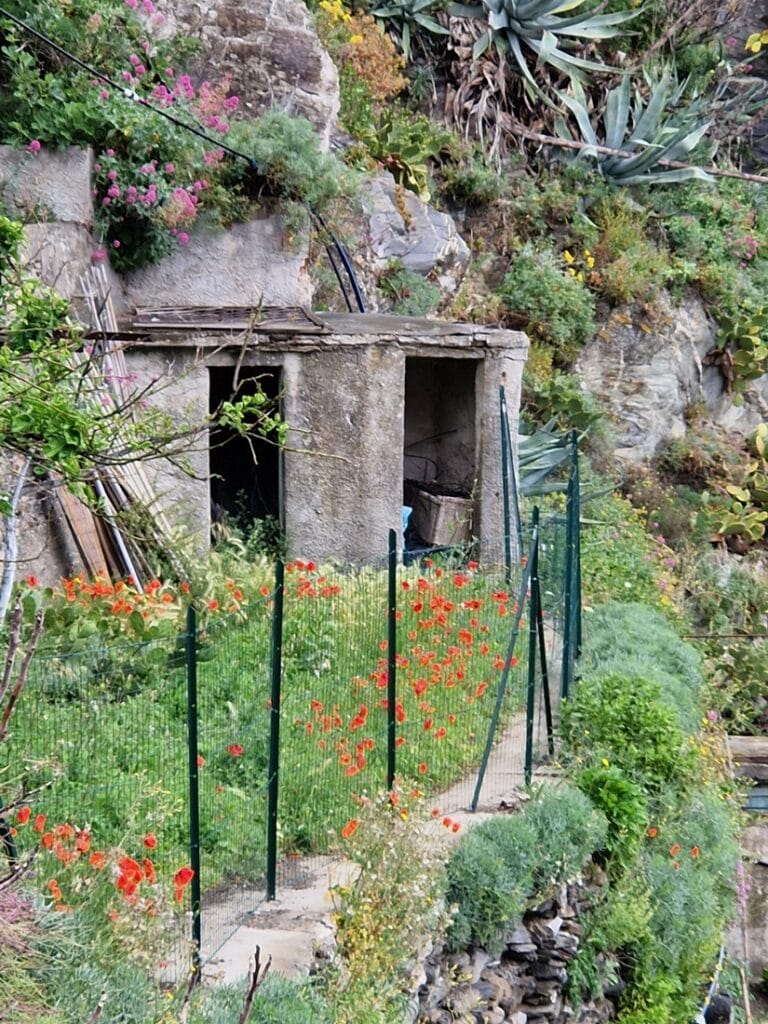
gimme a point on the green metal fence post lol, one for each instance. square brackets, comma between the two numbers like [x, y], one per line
[533, 636]
[391, 660]
[273, 773]
[577, 543]
[544, 669]
[521, 603]
[194, 792]
[570, 638]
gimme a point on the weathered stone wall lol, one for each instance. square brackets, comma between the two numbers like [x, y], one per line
[249, 264]
[269, 48]
[343, 397]
[525, 984]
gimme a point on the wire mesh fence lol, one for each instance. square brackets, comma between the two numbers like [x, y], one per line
[245, 743]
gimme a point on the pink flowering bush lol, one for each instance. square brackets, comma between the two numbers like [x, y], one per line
[155, 181]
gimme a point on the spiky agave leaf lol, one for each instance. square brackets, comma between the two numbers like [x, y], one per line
[539, 25]
[646, 132]
[409, 16]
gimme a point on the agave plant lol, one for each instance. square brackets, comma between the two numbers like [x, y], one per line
[644, 131]
[542, 28]
[409, 17]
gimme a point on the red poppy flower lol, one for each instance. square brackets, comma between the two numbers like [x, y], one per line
[97, 859]
[39, 824]
[695, 851]
[83, 842]
[22, 815]
[653, 832]
[235, 750]
[150, 841]
[350, 828]
[674, 850]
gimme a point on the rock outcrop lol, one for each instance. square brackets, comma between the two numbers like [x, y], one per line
[648, 371]
[271, 51]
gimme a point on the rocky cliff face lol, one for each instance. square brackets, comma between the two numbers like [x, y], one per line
[271, 51]
[649, 373]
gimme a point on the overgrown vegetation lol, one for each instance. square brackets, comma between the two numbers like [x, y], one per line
[649, 798]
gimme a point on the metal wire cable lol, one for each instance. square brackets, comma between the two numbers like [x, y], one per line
[131, 94]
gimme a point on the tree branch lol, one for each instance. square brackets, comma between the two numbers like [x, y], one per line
[519, 129]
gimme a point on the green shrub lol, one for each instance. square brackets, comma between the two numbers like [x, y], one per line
[407, 293]
[503, 863]
[619, 560]
[558, 309]
[624, 721]
[691, 869]
[467, 178]
[278, 1001]
[625, 807]
[617, 640]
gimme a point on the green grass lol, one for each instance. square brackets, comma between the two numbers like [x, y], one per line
[107, 728]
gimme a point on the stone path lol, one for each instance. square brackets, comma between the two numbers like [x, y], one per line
[291, 927]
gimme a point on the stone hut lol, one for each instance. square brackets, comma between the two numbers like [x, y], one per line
[378, 407]
[382, 412]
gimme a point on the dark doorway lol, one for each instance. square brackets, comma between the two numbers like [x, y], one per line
[439, 451]
[440, 411]
[245, 475]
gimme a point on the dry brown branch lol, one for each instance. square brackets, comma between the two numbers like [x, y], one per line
[254, 981]
[691, 14]
[551, 140]
[21, 678]
[98, 1009]
[194, 979]
[16, 872]
[13, 646]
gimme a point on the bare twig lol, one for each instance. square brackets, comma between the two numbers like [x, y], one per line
[19, 869]
[551, 140]
[98, 1009]
[23, 671]
[745, 996]
[194, 979]
[253, 983]
[12, 648]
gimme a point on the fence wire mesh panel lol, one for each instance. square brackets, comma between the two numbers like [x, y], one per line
[460, 642]
[100, 738]
[232, 656]
[333, 731]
